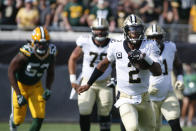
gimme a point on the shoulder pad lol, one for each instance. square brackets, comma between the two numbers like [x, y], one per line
[53, 50]
[27, 49]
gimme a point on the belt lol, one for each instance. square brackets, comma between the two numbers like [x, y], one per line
[122, 94]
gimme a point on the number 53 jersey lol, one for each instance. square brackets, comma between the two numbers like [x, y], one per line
[131, 80]
[93, 54]
[34, 68]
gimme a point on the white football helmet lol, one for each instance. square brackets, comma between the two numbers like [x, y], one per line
[100, 28]
[155, 32]
[133, 28]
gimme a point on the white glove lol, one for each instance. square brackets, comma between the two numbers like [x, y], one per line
[152, 90]
[179, 85]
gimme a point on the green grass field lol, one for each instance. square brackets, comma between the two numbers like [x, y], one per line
[73, 127]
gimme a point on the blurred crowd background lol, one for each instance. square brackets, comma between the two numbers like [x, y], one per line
[178, 17]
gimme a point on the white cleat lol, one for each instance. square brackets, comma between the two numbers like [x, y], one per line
[11, 124]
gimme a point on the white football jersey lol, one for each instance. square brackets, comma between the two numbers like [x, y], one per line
[129, 79]
[163, 82]
[93, 54]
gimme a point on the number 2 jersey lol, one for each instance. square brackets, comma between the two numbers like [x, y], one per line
[93, 54]
[163, 82]
[33, 70]
[130, 80]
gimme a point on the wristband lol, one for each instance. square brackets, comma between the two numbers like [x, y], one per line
[72, 78]
[96, 74]
[180, 77]
[148, 60]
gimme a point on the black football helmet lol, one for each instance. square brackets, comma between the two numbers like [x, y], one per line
[100, 29]
[133, 28]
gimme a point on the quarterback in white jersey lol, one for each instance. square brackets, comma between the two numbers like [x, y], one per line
[94, 49]
[135, 58]
[161, 90]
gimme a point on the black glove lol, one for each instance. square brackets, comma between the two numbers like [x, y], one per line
[134, 56]
[112, 83]
[46, 94]
[21, 100]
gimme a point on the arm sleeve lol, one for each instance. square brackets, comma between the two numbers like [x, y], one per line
[155, 52]
[110, 53]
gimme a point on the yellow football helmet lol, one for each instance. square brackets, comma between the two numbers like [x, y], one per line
[133, 28]
[40, 37]
[100, 29]
[40, 34]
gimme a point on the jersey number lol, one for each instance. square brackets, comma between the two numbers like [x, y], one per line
[165, 65]
[32, 69]
[134, 72]
[95, 55]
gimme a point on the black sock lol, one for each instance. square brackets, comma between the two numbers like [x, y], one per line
[85, 122]
[175, 125]
[36, 124]
[105, 123]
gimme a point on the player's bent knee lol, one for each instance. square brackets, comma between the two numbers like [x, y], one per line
[85, 111]
[105, 111]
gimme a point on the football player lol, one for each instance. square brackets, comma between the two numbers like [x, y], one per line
[135, 58]
[161, 92]
[25, 72]
[94, 49]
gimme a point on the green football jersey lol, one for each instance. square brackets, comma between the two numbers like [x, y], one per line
[33, 70]
[190, 84]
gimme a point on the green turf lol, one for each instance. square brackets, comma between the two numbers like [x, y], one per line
[73, 127]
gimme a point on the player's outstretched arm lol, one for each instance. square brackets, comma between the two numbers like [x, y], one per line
[98, 71]
[72, 63]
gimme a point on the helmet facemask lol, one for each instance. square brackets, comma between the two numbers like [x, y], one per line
[41, 47]
[158, 39]
[155, 32]
[100, 34]
[134, 34]
[100, 29]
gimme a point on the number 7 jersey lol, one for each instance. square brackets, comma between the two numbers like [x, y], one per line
[93, 54]
[131, 80]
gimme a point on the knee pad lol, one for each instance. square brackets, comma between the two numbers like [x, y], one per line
[105, 123]
[85, 109]
[175, 125]
[105, 110]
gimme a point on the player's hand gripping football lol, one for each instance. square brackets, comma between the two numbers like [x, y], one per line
[83, 88]
[135, 56]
